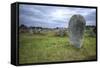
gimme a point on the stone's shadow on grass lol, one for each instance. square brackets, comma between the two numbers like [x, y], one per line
[69, 46]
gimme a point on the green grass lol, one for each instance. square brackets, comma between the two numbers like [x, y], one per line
[49, 48]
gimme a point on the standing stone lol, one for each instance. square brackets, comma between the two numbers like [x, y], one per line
[76, 30]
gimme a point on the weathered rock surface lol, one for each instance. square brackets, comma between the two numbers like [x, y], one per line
[76, 30]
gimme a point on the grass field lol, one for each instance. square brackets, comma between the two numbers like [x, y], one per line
[37, 48]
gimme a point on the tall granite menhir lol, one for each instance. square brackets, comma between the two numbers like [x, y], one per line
[76, 30]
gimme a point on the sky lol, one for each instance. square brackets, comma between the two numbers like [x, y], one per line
[53, 16]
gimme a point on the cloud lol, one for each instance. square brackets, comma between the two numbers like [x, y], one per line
[91, 18]
[52, 16]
